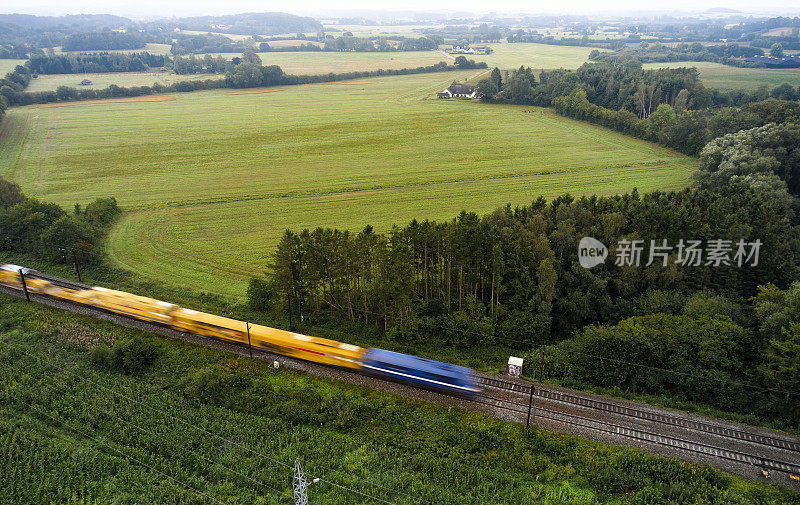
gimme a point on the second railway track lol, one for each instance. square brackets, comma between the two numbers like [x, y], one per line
[582, 401]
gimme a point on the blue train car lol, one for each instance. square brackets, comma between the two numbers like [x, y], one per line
[426, 372]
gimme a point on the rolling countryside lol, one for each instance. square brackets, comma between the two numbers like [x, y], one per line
[206, 192]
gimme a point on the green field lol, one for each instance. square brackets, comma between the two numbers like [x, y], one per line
[100, 81]
[149, 47]
[379, 30]
[323, 62]
[717, 75]
[7, 66]
[210, 180]
[537, 56]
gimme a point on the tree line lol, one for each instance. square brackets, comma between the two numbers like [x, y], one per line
[668, 106]
[102, 41]
[47, 231]
[13, 52]
[380, 44]
[95, 63]
[726, 54]
[244, 72]
[206, 43]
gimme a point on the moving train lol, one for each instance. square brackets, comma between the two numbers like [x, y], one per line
[392, 365]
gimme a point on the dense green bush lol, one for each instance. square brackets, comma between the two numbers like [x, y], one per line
[131, 355]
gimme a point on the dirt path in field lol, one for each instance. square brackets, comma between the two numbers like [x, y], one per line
[156, 98]
[254, 91]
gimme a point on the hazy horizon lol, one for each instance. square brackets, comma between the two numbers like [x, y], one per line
[346, 8]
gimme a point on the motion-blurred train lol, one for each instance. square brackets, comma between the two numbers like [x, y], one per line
[392, 365]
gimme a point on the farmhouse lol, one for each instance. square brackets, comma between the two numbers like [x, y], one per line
[462, 50]
[459, 91]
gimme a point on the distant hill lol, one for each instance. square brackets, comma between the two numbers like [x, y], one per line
[250, 23]
[82, 21]
[722, 10]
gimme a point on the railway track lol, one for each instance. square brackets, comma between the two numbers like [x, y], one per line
[525, 392]
[791, 468]
[582, 401]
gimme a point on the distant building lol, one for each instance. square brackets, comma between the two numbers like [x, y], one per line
[86, 82]
[770, 62]
[459, 91]
[462, 50]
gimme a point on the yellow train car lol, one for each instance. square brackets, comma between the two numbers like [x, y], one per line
[127, 304]
[9, 276]
[209, 325]
[320, 350]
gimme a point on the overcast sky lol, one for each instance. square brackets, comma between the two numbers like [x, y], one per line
[318, 8]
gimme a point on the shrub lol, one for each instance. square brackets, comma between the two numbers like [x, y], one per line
[100, 354]
[131, 355]
[207, 384]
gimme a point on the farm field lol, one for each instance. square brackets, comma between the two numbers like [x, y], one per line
[100, 81]
[717, 75]
[292, 43]
[207, 194]
[779, 32]
[7, 66]
[380, 30]
[149, 47]
[537, 56]
[232, 36]
[319, 62]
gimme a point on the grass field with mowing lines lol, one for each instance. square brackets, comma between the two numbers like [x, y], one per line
[209, 181]
[99, 81]
[7, 66]
[537, 56]
[717, 75]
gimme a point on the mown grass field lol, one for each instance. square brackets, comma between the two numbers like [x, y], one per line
[210, 180]
[7, 66]
[537, 56]
[99, 81]
[717, 75]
